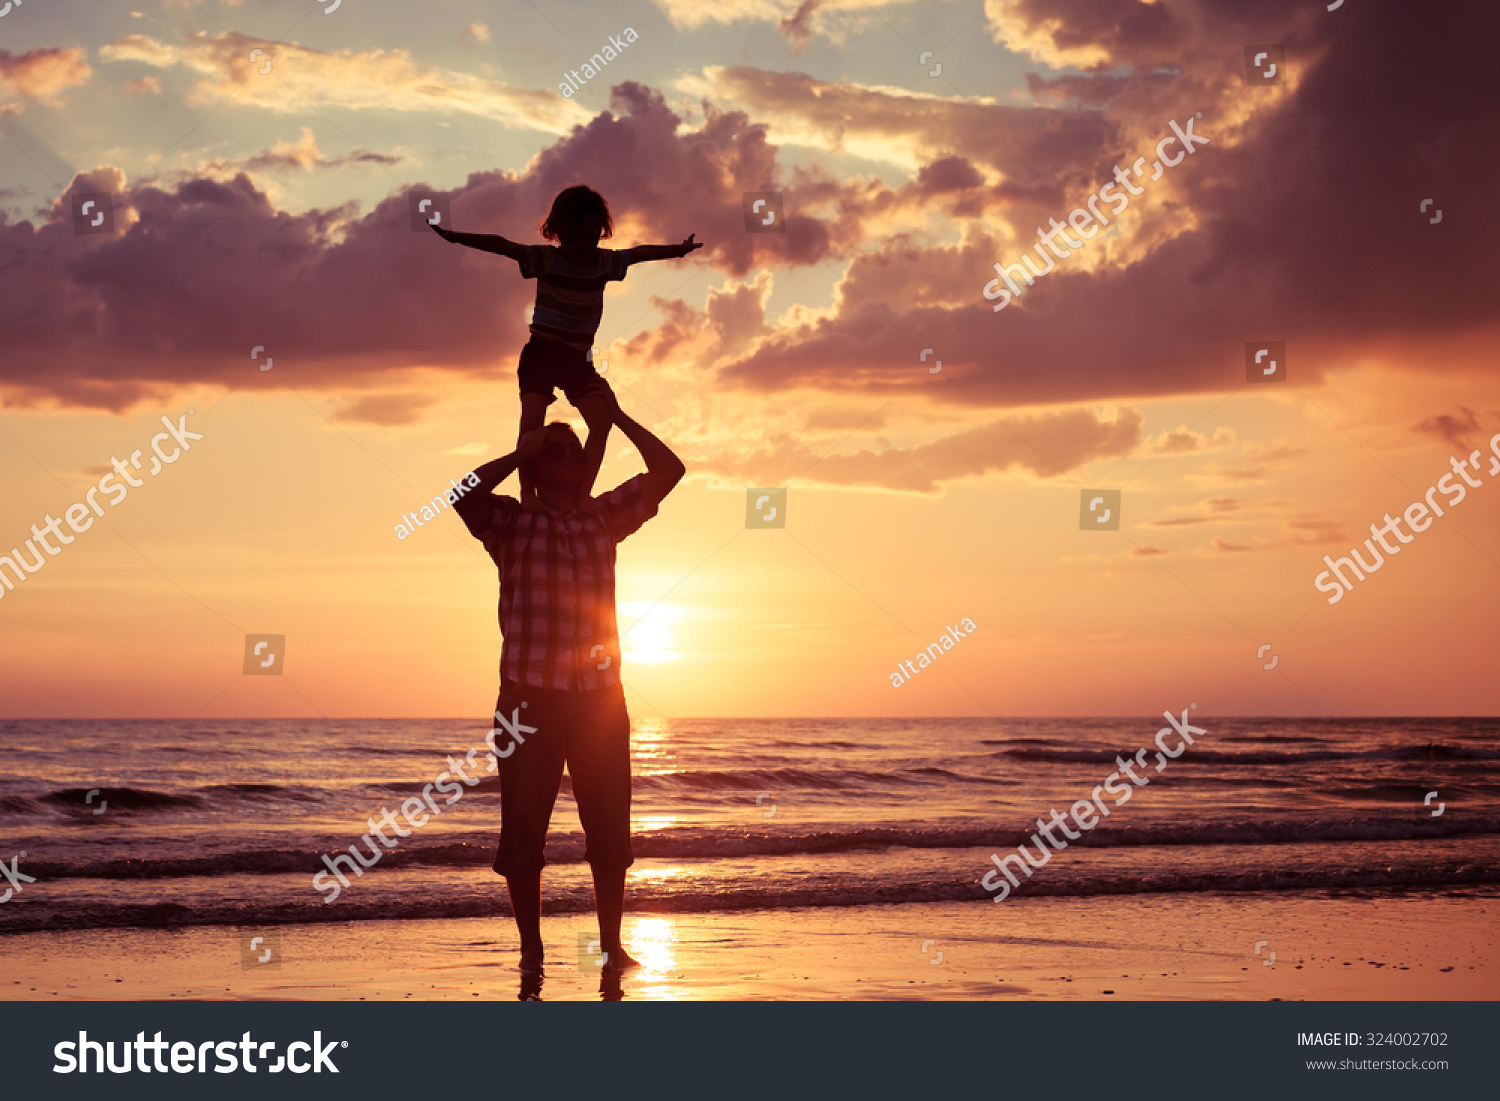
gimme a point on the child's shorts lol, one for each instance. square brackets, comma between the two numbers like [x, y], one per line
[548, 365]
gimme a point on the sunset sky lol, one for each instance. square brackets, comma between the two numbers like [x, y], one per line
[269, 209]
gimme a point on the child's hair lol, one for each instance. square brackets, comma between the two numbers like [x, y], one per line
[574, 208]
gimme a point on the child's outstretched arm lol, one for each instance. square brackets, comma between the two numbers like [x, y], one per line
[662, 252]
[485, 242]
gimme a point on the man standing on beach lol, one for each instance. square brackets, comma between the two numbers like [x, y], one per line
[561, 657]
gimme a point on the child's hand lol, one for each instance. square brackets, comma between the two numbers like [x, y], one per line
[689, 245]
[445, 234]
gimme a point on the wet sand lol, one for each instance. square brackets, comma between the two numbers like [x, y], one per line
[1417, 947]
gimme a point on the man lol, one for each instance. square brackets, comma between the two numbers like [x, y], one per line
[561, 656]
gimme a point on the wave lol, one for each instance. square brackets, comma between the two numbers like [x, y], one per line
[139, 799]
[769, 778]
[476, 848]
[75, 802]
[1433, 752]
[731, 896]
[754, 779]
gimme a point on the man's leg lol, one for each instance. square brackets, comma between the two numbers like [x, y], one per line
[530, 775]
[609, 899]
[599, 763]
[526, 904]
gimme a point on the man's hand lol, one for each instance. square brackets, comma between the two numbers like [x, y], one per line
[663, 469]
[598, 405]
[689, 245]
[445, 234]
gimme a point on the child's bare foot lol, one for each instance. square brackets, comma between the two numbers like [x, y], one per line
[532, 959]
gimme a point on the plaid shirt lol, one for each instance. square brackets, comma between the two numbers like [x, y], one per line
[557, 584]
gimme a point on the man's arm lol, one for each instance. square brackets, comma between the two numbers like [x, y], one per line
[642, 253]
[485, 242]
[598, 407]
[663, 468]
[475, 508]
[492, 473]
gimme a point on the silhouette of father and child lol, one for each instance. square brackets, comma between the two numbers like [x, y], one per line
[555, 549]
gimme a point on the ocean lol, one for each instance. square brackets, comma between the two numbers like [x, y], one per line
[175, 823]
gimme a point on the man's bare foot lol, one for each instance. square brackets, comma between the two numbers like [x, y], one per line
[618, 960]
[532, 959]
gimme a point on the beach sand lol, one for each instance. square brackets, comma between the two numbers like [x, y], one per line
[1418, 947]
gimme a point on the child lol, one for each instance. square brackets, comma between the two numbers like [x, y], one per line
[570, 279]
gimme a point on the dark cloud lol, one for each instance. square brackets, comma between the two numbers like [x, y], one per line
[201, 271]
[1455, 431]
[1299, 222]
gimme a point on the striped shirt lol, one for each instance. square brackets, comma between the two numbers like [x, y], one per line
[570, 297]
[557, 583]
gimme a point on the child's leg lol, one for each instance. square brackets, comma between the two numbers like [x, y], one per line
[533, 415]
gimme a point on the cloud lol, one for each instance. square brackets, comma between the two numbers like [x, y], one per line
[1219, 509]
[146, 85]
[1256, 462]
[205, 268]
[1302, 530]
[1043, 444]
[374, 80]
[1453, 431]
[1279, 226]
[43, 74]
[1024, 147]
[305, 154]
[385, 410]
[798, 20]
[1184, 441]
[840, 419]
[476, 31]
[1296, 530]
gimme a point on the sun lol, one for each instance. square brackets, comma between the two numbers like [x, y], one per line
[650, 643]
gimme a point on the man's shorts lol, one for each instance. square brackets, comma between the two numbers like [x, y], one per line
[547, 365]
[589, 731]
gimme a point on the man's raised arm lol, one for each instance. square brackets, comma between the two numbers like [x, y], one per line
[663, 468]
[476, 507]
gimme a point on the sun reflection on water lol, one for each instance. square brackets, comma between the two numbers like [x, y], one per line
[653, 941]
